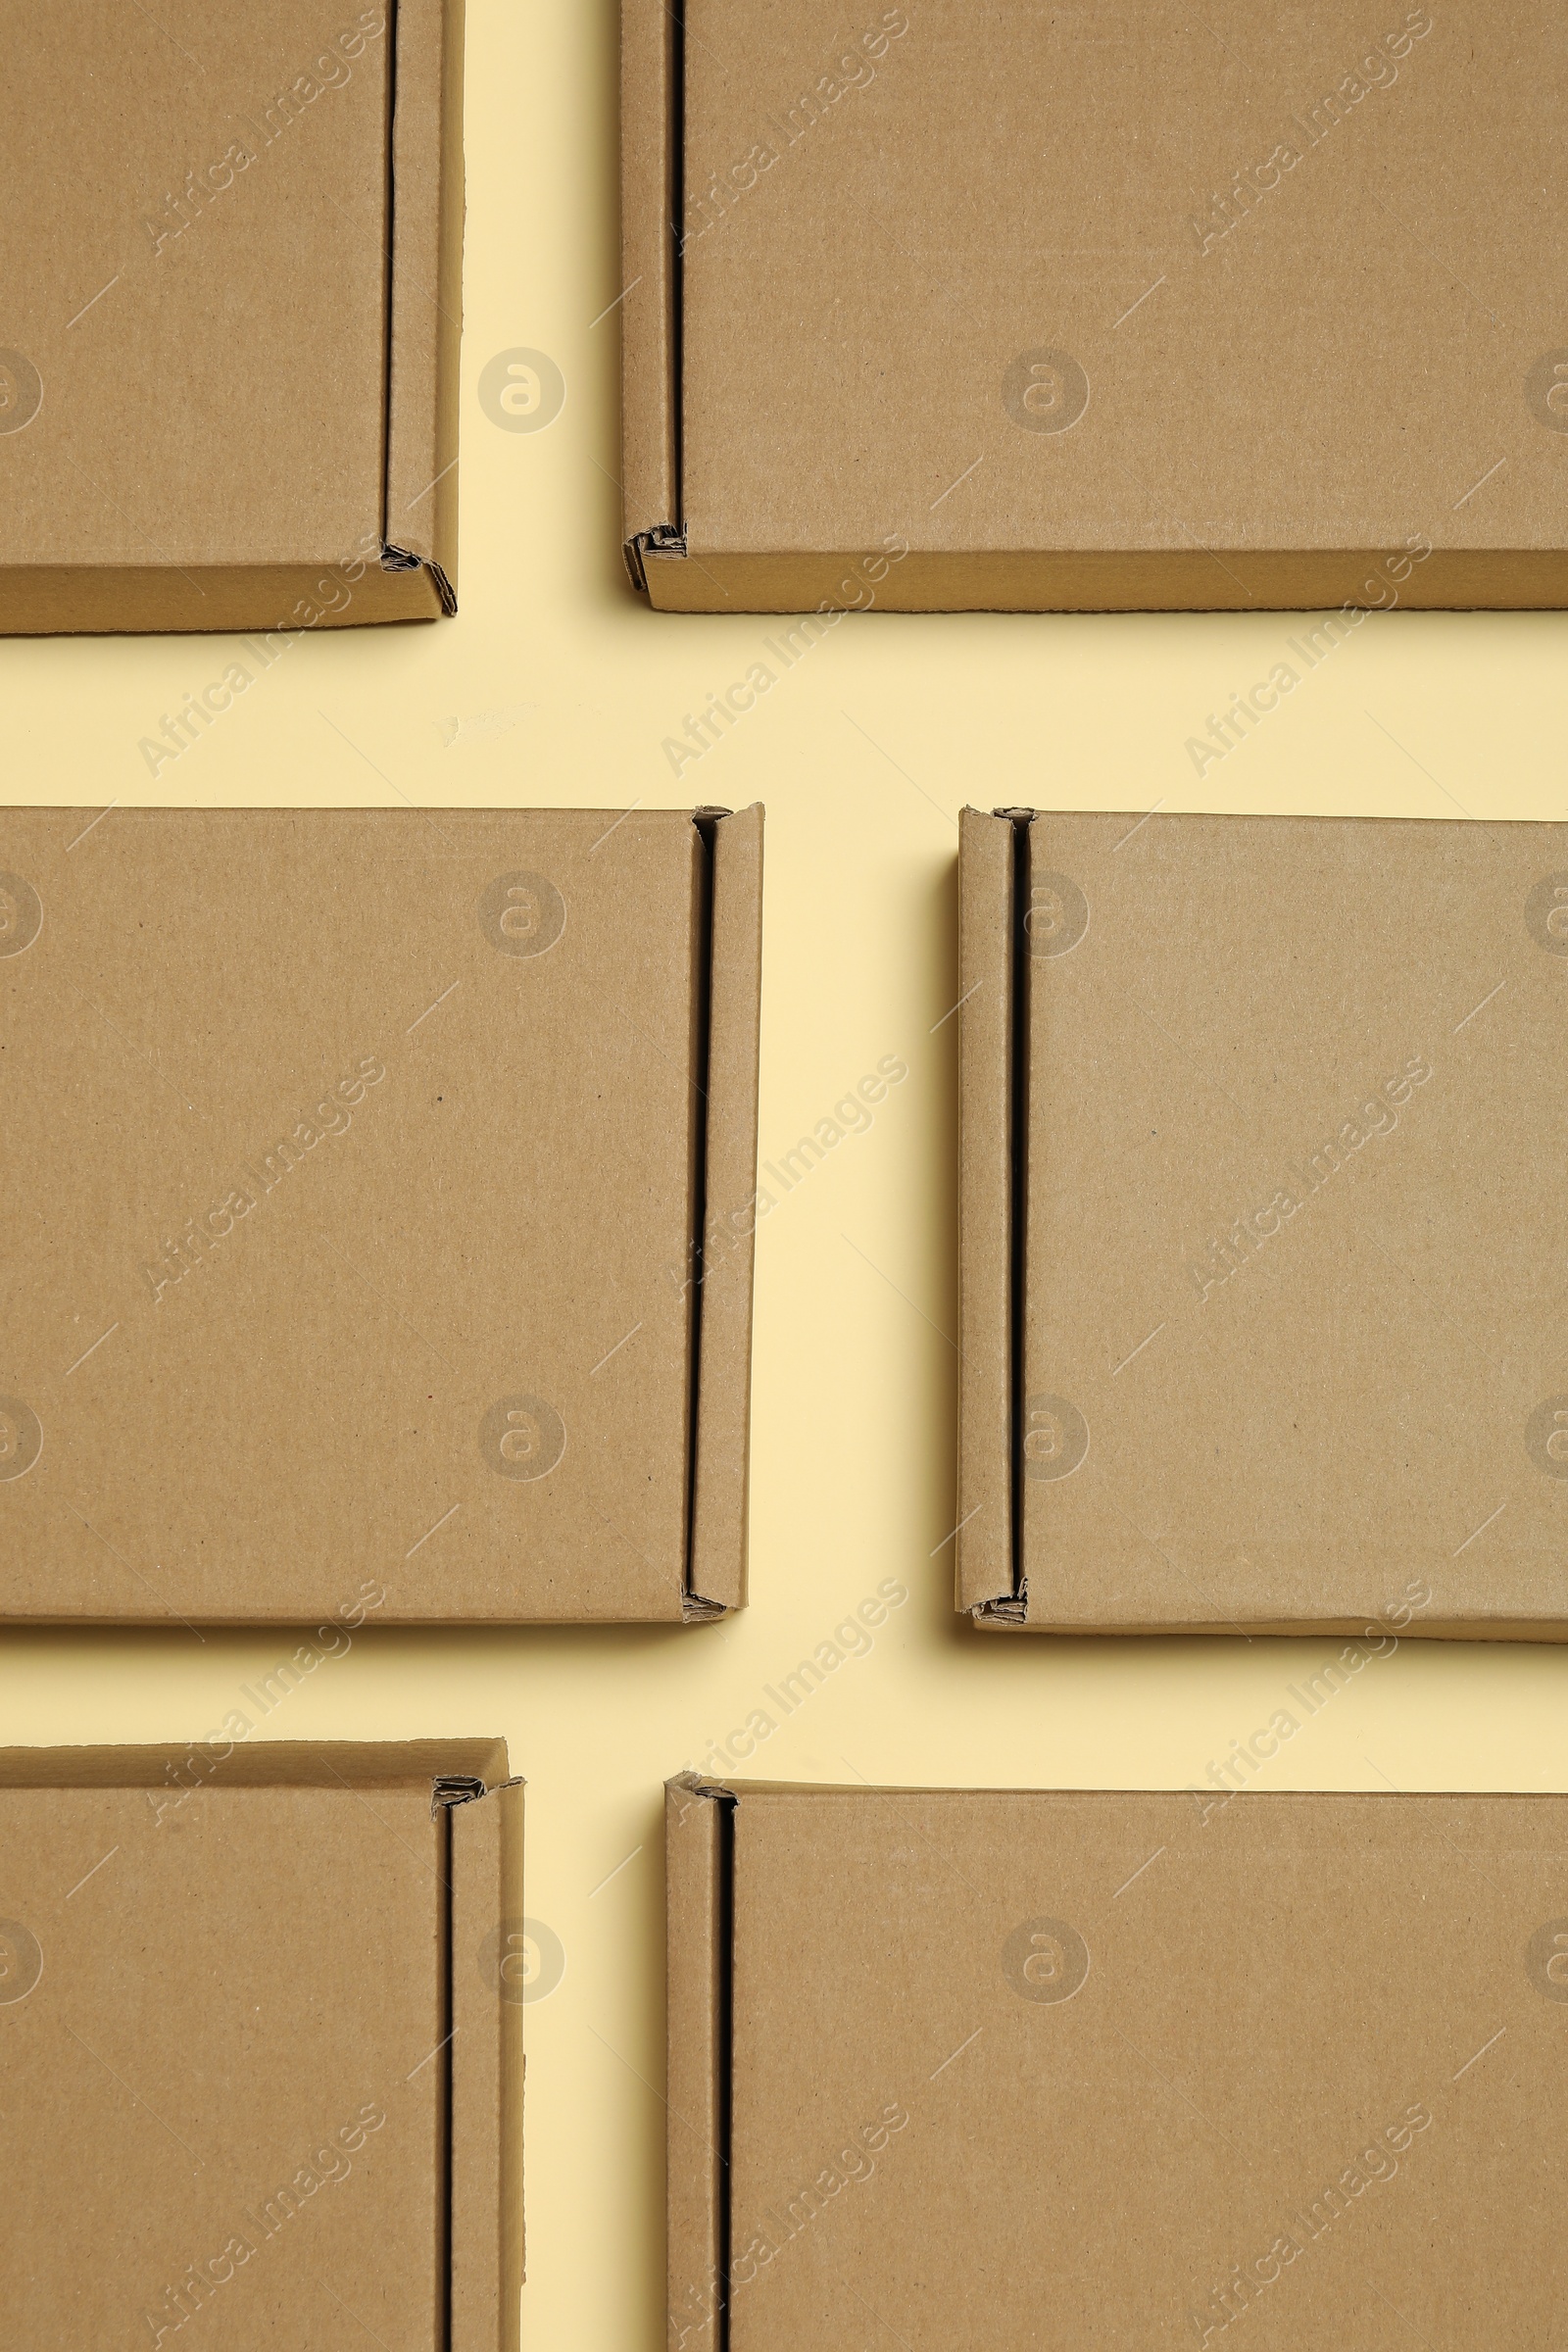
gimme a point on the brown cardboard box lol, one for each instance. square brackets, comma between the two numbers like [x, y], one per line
[1265, 1139]
[947, 305]
[963, 2069]
[378, 1189]
[260, 2008]
[233, 285]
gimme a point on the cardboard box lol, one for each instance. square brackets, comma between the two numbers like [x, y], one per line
[379, 1190]
[261, 2014]
[1265, 1139]
[229, 388]
[1126, 2070]
[1092, 308]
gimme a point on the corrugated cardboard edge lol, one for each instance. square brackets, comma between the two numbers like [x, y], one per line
[259, 1763]
[721, 1438]
[486, 2136]
[651, 38]
[696, 2090]
[1101, 580]
[425, 297]
[276, 602]
[987, 1584]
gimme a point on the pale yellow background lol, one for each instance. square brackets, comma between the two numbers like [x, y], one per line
[863, 755]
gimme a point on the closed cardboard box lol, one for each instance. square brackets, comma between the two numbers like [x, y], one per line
[379, 1191]
[1264, 1139]
[1107, 307]
[234, 286]
[259, 2009]
[963, 2069]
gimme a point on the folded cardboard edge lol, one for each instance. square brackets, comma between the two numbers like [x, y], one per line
[276, 602]
[425, 297]
[1349, 1628]
[986, 1578]
[485, 2194]
[697, 1931]
[651, 42]
[1101, 580]
[725, 1234]
[260, 1763]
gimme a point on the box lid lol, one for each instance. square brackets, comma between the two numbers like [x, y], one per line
[219, 375]
[1022, 293]
[251, 2045]
[1264, 1149]
[1127, 2069]
[381, 1193]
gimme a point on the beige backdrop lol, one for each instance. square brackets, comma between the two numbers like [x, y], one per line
[554, 686]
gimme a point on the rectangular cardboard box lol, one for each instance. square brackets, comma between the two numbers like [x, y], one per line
[261, 2014]
[1121, 2070]
[1109, 308]
[234, 263]
[1265, 1139]
[379, 1191]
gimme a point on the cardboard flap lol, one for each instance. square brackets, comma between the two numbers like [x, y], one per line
[723, 1326]
[984, 1546]
[650, 81]
[425, 295]
[696, 1875]
[489, 1974]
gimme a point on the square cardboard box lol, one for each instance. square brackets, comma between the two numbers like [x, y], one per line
[260, 2008]
[1265, 1139]
[378, 1189]
[234, 281]
[958, 2068]
[931, 307]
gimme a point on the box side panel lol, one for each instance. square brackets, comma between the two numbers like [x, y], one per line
[257, 1764]
[697, 1970]
[275, 601]
[425, 297]
[650, 117]
[1092, 580]
[489, 1974]
[984, 1542]
[725, 1381]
